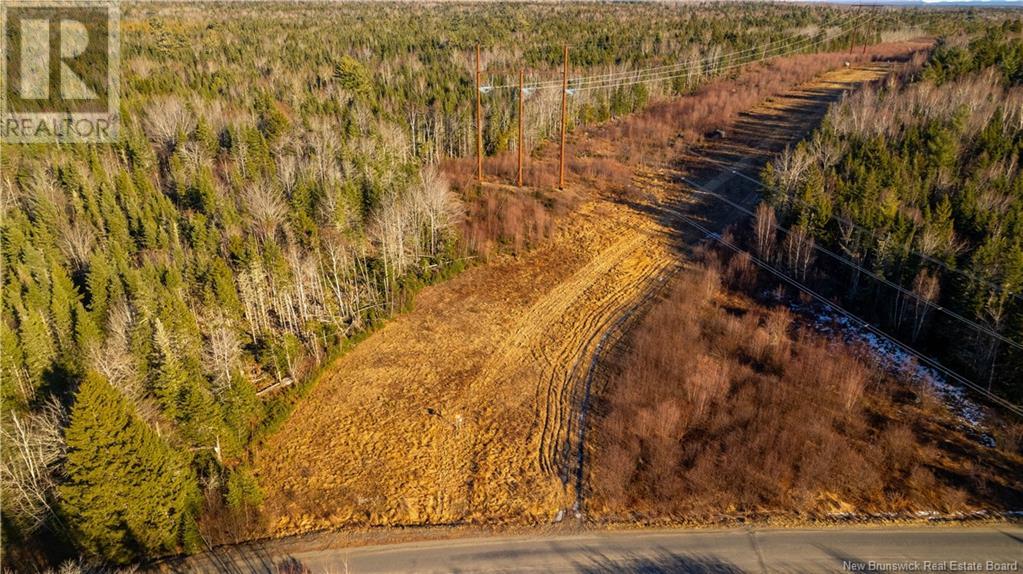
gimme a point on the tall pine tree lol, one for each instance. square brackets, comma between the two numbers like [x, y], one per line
[127, 493]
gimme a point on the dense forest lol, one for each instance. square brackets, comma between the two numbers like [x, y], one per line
[274, 194]
[918, 182]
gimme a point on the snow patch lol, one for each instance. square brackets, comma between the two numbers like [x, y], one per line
[890, 356]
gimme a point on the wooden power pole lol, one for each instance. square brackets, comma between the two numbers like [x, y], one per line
[479, 121]
[564, 126]
[522, 107]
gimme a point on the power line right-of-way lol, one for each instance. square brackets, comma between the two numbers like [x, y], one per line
[647, 75]
[966, 321]
[932, 363]
[872, 233]
[769, 50]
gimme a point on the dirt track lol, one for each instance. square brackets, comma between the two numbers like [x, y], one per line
[465, 407]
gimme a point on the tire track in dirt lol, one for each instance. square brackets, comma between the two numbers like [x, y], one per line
[560, 329]
[471, 406]
[564, 377]
[459, 409]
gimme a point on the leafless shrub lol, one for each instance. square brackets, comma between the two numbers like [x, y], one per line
[899, 442]
[1009, 437]
[513, 220]
[851, 384]
[706, 382]
[742, 272]
[793, 434]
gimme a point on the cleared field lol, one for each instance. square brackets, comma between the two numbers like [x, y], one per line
[465, 407]
[456, 409]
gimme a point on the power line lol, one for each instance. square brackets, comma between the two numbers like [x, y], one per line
[788, 45]
[672, 68]
[1016, 409]
[776, 52]
[872, 233]
[977, 326]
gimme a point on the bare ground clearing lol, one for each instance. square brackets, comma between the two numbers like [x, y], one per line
[464, 408]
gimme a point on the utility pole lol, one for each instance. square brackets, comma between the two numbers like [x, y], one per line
[564, 127]
[522, 106]
[479, 121]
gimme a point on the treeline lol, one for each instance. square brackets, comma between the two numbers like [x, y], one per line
[272, 196]
[919, 182]
[414, 65]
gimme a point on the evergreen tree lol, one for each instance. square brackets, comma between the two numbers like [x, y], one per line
[37, 344]
[170, 377]
[127, 493]
[63, 300]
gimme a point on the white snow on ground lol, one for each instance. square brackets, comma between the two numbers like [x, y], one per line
[892, 357]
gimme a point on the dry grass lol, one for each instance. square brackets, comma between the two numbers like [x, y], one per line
[719, 405]
[603, 159]
[456, 410]
[453, 411]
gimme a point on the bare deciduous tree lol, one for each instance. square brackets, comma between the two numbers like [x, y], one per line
[764, 226]
[926, 288]
[222, 349]
[33, 447]
[799, 246]
[166, 118]
[113, 357]
[266, 209]
[790, 168]
[441, 207]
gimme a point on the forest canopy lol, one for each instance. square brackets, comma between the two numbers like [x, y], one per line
[919, 182]
[275, 193]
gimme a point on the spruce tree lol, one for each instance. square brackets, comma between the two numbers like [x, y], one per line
[169, 376]
[37, 344]
[127, 493]
[63, 300]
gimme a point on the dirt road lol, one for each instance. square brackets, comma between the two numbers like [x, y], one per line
[466, 408]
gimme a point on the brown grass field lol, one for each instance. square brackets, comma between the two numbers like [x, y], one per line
[464, 409]
[718, 406]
